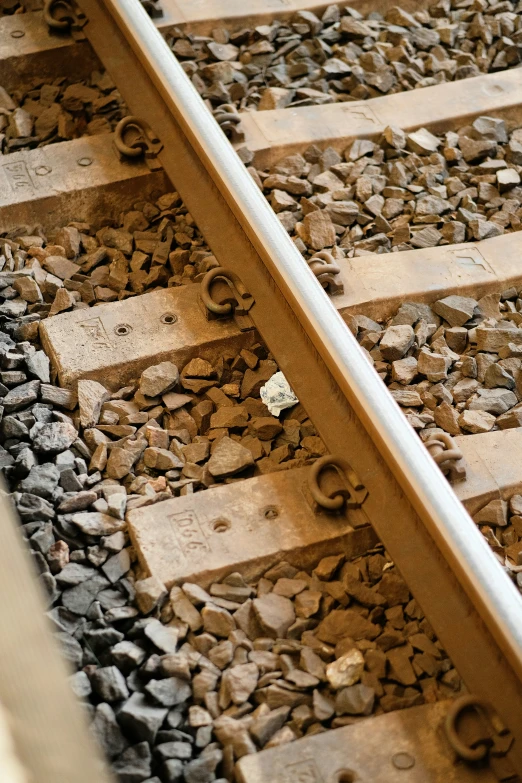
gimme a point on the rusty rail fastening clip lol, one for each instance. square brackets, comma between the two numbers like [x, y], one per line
[447, 455]
[63, 15]
[144, 143]
[487, 736]
[228, 118]
[352, 493]
[234, 299]
[325, 268]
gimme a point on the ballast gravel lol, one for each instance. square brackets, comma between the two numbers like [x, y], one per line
[154, 245]
[342, 55]
[47, 111]
[180, 685]
[405, 191]
[455, 366]
[76, 460]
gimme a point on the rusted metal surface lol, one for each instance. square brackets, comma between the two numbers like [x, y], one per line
[143, 144]
[350, 495]
[325, 268]
[166, 324]
[229, 120]
[271, 135]
[444, 559]
[491, 741]
[47, 723]
[64, 16]
[447, 456]
[248, 527]
[234, 302]
[409, 745]
[72, 180]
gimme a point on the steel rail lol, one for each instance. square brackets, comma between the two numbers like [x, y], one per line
[477, 591]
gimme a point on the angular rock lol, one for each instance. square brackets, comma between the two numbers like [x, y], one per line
[239, 682]
[433, 365]
[158, 379]
[164, 637]
[355, 700]
[493, 513]
[447, 418]
[161, 459]
[274, 613]
[274, 98]
[396, 341]
[54, 437]
[495, 401]
[121, 460]
[107, 731]
[264, 727]
[91, 396]
[456, 310]
[109, 684]
[422, 142]
[184, 609]
[169, 692]
[318, 230]
[341, 623]
[134, 765]
[42, 480]
[217, 621]
[140, 718]
[346, 670]
[476, 421]
[95, 523]
[21, 396]
[229, 458]
[38, 364]
[150, 593]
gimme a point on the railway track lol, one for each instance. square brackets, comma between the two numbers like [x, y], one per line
[235, 604]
